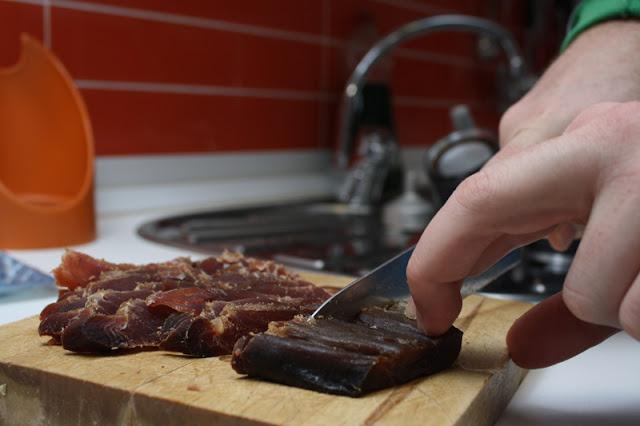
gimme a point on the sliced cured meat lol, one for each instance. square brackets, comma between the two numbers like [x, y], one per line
[189, 300]
[132, 326]
[103, 302]
[382, 348]
[221, 324]
[198, 308]
[77, 269]
[69, 303]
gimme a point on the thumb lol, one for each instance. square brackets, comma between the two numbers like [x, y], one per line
[549, 333]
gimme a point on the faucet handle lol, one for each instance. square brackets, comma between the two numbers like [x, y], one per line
[461, 117]
[460, 153]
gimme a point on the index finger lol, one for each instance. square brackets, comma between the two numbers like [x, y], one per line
[507, 204]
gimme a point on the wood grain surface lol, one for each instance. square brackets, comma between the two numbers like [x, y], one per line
[46, 385]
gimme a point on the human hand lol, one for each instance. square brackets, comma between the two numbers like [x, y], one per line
[602, 65]
[590, 175]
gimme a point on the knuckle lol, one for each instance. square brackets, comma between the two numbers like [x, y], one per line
[581, 305]
[476, 192]
[508, 123]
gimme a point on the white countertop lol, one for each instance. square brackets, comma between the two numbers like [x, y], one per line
[598, 387]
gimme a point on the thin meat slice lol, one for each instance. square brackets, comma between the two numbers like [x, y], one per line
[118, 281]
[104, 302]
[189, 300]
[70, 303]
[77, 269]
[174, 332]
[266, 283]
[382, 348]
[132, 326]
[221, 324]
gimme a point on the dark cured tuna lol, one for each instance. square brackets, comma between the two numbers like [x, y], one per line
[197, 308]
[381, 348]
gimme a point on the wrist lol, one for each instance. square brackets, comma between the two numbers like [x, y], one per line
[593, 12]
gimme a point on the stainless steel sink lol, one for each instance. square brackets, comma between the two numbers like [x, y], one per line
[333, 237]
[320, 235]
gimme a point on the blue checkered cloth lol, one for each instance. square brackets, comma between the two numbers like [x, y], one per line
[15, 276]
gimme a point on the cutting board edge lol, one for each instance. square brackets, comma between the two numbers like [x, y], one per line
[495, 396]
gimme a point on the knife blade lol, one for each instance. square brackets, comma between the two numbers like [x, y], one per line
[388, 283]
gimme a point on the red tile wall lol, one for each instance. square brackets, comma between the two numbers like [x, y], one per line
[164, 76]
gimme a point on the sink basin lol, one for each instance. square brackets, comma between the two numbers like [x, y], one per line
[332, 237]
[321, 235]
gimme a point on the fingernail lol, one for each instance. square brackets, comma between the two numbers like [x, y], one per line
[412, 313]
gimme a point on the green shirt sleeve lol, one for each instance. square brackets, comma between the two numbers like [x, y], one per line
[591, 12]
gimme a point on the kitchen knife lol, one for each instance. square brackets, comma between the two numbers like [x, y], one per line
[388, 283]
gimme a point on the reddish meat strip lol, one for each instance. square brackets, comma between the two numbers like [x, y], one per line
[381, 348]
[221, 324]
[74, 309]
[198, 308]
[132, 326]
[77, 269]
[81, 270]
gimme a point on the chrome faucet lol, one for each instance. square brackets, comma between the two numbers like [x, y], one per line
[365, 181]
[352, 97]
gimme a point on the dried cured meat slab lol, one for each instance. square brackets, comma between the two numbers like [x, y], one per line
[380, 349]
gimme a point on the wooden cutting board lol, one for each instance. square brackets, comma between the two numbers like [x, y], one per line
[46, 385]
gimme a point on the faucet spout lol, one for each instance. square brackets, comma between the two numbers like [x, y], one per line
[352, 92]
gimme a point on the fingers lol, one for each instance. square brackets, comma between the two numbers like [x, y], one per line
[494, 211]
[606, 262]
[503, 245]
[630, 310]
[562, 237]
[549, 333]
[436, 306]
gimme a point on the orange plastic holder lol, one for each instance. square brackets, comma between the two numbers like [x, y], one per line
[46, 154]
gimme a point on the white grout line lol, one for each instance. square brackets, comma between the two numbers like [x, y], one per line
[194, 89]
[323, 40]
[202, 90]
[194, 21]
[35, 2]
[46, 23]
